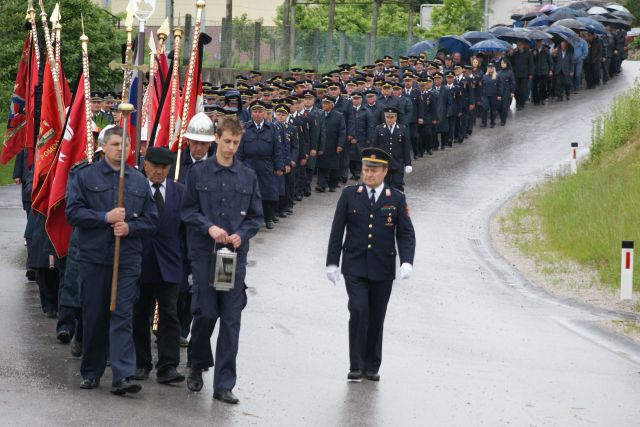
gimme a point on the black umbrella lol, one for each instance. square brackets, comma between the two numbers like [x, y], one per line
[582, 5]
[529, 16]
[612, 22]
[537, 35]
[556, 16]
[496, 31]
[574, 24]
[514, 37]
[624, 15]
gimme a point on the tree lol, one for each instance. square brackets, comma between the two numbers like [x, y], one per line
[456, 17]
[104, 42]
[634, 8]
[244, 34]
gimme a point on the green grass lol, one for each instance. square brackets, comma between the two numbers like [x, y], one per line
[6, 173]
[585, 216]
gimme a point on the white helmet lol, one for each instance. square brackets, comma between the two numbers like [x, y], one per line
[200, 128]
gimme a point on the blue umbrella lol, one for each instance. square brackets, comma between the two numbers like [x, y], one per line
[560, 33]
[476, 36]
[592, 25]
[423, 46]
[489, 46]
[496, 31]
[453, 43]
[539, 21]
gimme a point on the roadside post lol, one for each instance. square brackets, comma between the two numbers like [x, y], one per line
[574, 157]
[626, 270]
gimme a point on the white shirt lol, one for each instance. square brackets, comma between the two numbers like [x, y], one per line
[378, 191]
[259, 125]
[163, 188]
[391, 129]
[201, 160]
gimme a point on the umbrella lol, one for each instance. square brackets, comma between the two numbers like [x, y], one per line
[558, 15]
[489, 46]
[529, 16]
[614, 7]
[453, 43]
[516, 16]
[476, 36]
[423, 46]
[593, 26]
[539, 21]
[624, 15]
[581, 5]
[571, 23]
[597, 10]
[560, 33]
[538, 35]
[548, 8]
[613, 22]
[514, 37]
[496, 31]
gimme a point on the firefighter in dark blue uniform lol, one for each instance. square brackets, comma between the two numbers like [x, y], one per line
[392, 138]
[376, 217]
[92, 209]
[222, 207]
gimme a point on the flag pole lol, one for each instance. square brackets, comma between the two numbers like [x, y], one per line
[52, 66]
[84, 41]
[139, 61]
[31, 16]
[126, 109]
[200, 4]
[175, 81]
[126, 78]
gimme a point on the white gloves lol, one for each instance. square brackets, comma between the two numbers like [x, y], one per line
[408, 169]
[406, 269]
[333, 274]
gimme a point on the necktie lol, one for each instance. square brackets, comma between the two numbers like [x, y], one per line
[157, 196]
[372, 199]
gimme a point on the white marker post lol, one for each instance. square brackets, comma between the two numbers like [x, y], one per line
[626, 271]
[574, 157]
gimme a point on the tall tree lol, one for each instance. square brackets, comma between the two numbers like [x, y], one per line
[456, 17]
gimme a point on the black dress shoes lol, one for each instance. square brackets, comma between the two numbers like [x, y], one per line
[51, 314]
[90, 383]
[123, 387]
[269, 224]
[307, 193]
[141, 374]
[169, 376]
[320, 189]
[372, 376]
[64, 337]
[194, 380]
[76, 347]
[225, 396]
[332, 190]
[355, 375]
[31, 275]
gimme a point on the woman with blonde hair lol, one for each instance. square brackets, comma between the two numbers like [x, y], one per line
[488, 99]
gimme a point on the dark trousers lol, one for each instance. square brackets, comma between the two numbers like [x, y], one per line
[184, 300]
[108, 332]
[503, 105]
[539, 92]
[522, 91]
[415, 139]
[289, 187]
[491, 104]
[168, 325]
[327, 177]
[355, 166]
[462, 123]
[300, 181]
[441, 139]
[427, 133]
[368, 301]
[269, 209]
[48, 280]
[70, 320]
[307, 180]
[452, 128]
[395, 179]
[563, 84]
[209, 305]
[605, 70]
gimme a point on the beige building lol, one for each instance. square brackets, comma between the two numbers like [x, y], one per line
[213, 13]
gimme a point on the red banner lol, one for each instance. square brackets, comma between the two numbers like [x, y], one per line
[72, 151]
[19, 124]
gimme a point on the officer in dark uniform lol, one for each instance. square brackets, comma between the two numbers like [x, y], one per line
[335, 140]
[391, 138]
[376, 217]
[92, 198]
[364, 128]
[222, 208]
[427, 113]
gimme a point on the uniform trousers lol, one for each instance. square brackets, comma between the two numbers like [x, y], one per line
[209, 305]
[415, 140]
[427, 132]
[103, 331]
[327, 177]
[395, 179]
[48, 280]
[168, 325]
[368, 301]
[539, 92]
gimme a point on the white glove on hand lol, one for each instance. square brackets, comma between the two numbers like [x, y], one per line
[408, 169]
[333, 274]
[406, 270]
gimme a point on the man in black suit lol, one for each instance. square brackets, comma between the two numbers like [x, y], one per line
[563, 70]
[161, 273]
[376, 217]
[335, 141]
[522, 60]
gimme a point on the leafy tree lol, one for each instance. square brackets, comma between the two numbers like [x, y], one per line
[104, 42]
[456, 17]
[244, 33]
[634, 8]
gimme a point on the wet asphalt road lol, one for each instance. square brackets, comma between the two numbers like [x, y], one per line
[467, 340]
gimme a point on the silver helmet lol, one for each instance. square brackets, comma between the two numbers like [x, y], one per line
[200, 128]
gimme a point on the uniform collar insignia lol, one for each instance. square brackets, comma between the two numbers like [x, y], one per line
[388, 192]
[359, 189]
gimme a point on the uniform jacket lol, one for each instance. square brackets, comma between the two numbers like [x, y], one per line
[490, 86]
[506, 83]
[161, 250]
[369, 248]
[185, 164]
[396, 144]
[226, 197]
[93, 191]
[363, 131]
[345, 107]
[335, 136]
[427, 107]
[444, 107]
[261, 151]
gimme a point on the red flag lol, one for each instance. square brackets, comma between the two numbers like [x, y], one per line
[17, 135]
[72, 151]
[31, 106]
[48, 142]
[195, 96]
[161, 133]
[159, 80]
